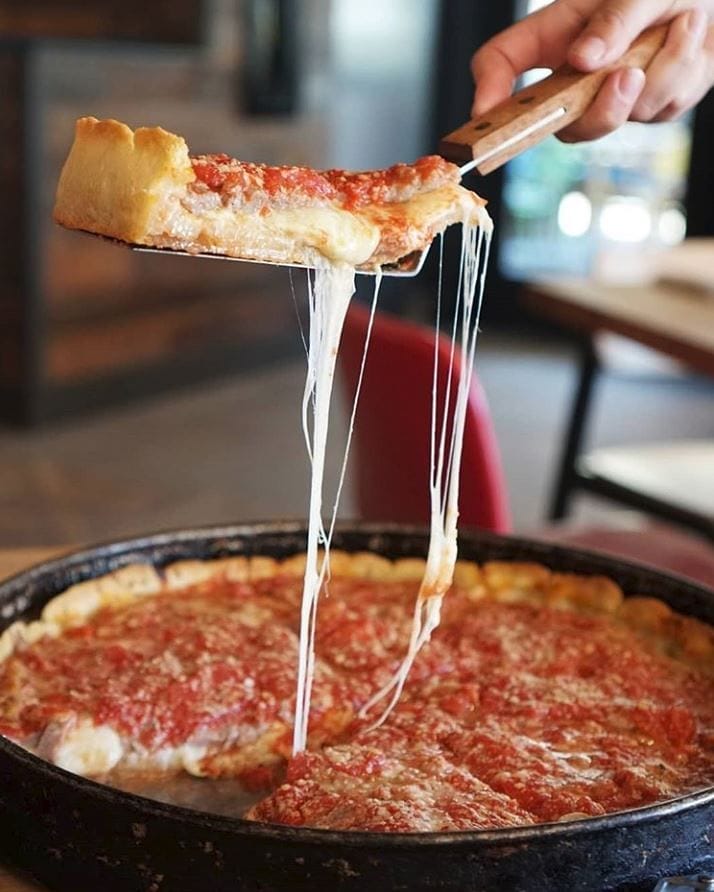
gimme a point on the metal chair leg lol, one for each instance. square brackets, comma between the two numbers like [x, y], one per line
[567, 478]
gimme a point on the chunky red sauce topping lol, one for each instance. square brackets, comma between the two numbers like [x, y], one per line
[171, 668]
[513, 714]
[258, 186]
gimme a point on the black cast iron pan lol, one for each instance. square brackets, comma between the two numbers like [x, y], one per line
[79, 835]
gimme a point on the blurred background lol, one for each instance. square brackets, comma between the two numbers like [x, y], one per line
[141, 392]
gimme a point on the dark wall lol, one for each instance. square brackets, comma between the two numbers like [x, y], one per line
[464, 26]
[700, 192]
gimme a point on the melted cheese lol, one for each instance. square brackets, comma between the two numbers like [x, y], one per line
[445, 469]
[311, 235]
[328, 301]
[329, 296]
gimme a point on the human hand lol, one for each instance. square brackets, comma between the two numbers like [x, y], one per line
[590, 34]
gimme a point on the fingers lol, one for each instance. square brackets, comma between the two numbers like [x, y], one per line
[593, 33]
[610, 109]
[676, 69]
[613, 26]
[539, 40]
[696, 85]
[495, 74]
[679, 76]
[498, 63]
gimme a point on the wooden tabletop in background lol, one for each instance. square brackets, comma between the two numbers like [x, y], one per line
[673, 319]
[11, 882]
[12, 560]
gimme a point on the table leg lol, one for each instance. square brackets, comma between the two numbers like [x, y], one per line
[566, 480]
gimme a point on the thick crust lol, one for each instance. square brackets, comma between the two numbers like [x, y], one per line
[116, 180]
[134, 186]
[256, 752]
[78, 603]
[116, 589]
[683, 638]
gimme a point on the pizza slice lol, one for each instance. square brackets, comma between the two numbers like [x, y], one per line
[365, 786]
[191, 670]
[144, 188]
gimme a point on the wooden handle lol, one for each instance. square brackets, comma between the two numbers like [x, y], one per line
[495, 136]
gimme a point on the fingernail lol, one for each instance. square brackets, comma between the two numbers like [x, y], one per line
[630, 83]
[590, 49]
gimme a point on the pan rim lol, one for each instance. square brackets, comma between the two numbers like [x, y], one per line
[134, 545]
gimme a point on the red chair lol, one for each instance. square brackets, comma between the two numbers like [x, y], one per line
[392, 429]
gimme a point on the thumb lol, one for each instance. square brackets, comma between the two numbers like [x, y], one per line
[612, 28]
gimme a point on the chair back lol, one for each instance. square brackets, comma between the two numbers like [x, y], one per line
[391, 450]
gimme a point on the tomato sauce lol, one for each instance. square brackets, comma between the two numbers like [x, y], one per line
[261, 185]
[514, 713]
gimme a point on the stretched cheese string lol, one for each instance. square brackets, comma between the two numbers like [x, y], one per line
[329, 295]
[353, 413]
[328, 298]
[445, 466]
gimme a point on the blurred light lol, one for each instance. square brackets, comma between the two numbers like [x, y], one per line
[575, 214]
[626, 220]
[372, 39]
[672, 226]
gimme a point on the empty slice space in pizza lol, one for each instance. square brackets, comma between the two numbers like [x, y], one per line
[142, 187]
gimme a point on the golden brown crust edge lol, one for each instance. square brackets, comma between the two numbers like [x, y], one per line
[114, 178]
[683, 638]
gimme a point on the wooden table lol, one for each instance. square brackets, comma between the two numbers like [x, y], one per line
[12, 882]
[13, 560]
[675, 320]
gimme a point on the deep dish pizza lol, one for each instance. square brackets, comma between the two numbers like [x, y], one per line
[142, 187]
[542, 696]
